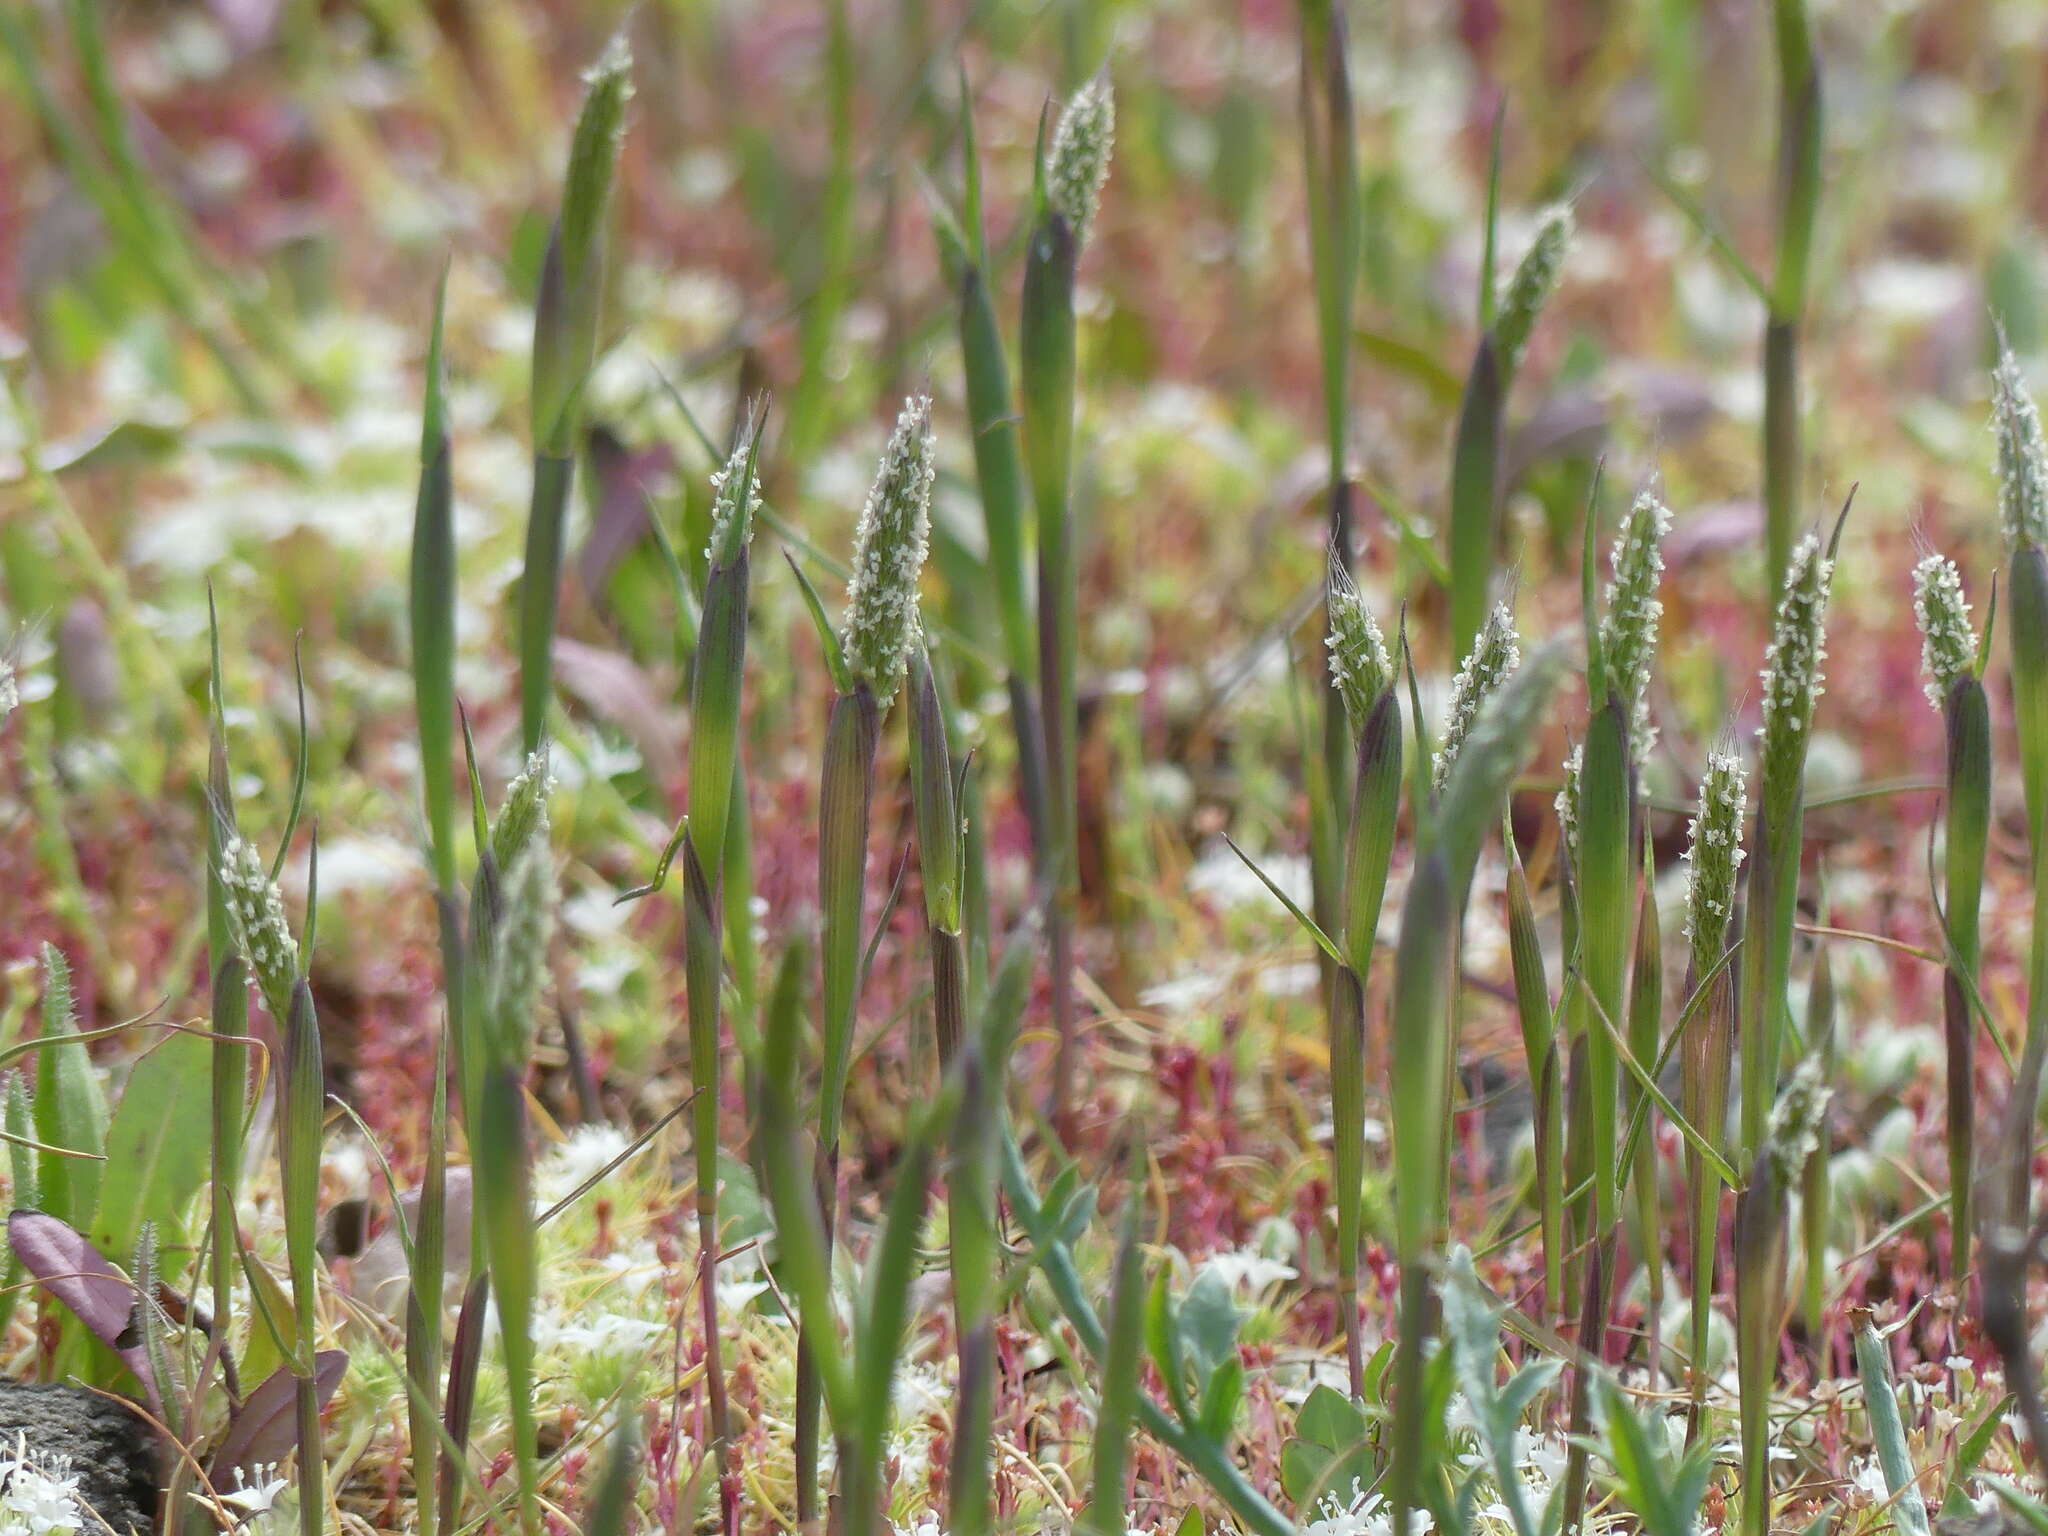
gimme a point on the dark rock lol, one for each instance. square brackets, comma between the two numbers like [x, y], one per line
[112, 1451]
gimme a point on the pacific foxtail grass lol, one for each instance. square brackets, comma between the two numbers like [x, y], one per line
[1330, 159]
[716, 676]
[1363, 686]
[565, 326]
[432, 614]
[1506, 320]
[1816, 1187]
[855, 1385]
[1065, 193]
[998, 469]
[1792, 685]
[1714, 854]
[1953, 663]
[230, 988]
[867, 659]
[256, 920]
[501, 1158]
[2023, 513]
[1797, 200]
[1645, 1039]
[1545, 1063]
[1762, 1263]
[1451, 825]
[1123, 1365]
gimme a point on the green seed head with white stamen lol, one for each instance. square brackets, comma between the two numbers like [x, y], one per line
[881, 622]
[1628, 629]
[1496, 652]
[1948, 645]
[1079, 163]
[1359, 665]
[1714, 852]
[1532, 284]
[523, 819]
[256, 918]
[1792, 675]
[2022, 455]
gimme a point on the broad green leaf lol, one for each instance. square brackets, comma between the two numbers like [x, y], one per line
[157, 1147]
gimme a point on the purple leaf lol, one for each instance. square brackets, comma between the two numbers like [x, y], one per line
[265, 1428]
[72, 1270]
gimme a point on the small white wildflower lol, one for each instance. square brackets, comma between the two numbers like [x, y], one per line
[1531, 286]
[256, 1490]
[1496, 652]
[1628, 629]
[1948, 645]
[1249, 1272]
[38, 1492]
[1079, 162]
[256, 919]
[2022, 455]
[889, 545]
[1359, 665]
[1714, 852]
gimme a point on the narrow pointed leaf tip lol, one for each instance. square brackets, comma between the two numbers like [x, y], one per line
[1533, 282]
[1079, 164]
[1495, 654]
[1948, 645]
[594, 153]
[1628, 630]
[1359, 665]
[881, 623]
[256, 917]
[735, 498]
[1714, 852]
[2022, 455]
[1792, 674]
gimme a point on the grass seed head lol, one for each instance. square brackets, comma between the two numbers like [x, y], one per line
[1714, 851]
[594, 154]
[1797, 1117]
[1495, 654]
[256, 916]
[10, 690]
[1628, 630]
[1792, 675]
[735, 498]
[524, 817]
[519, 960]
[2022, 455]
[1948, 645]
[1567, 802]
[1532, 284]
[1359, 665]
[1079, 164]
[889, 546]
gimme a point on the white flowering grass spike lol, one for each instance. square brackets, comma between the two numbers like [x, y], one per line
[1532, 284]
[10, 690]
[523, 818]
[1797, 1118]
[1079, 163]
[1567, 803]
[1628, 628]
[1496, 652]
[881, 623]
[2022, 455]
[1792, 674]
[1948, 645]
[256, 916]
[519, 961]
[1714, 852]
[735, 498]
[1359, 664]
